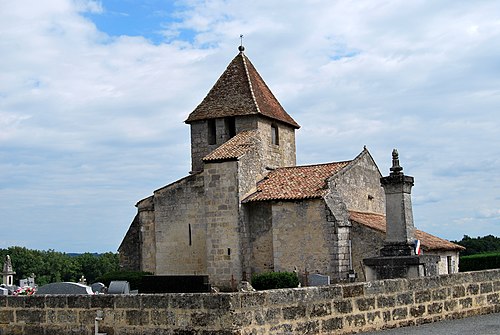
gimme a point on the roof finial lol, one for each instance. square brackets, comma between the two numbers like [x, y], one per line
[241, 47]
[395, 169]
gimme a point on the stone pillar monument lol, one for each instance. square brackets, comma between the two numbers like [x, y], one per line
[400, 237]
[397, 257]
[8, 273]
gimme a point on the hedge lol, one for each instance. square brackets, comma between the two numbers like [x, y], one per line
[479, 262]
[274, 280]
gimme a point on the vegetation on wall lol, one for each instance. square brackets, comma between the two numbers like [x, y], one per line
[52, 266]
[273, 280]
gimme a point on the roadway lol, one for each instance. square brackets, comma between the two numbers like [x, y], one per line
[488, 324]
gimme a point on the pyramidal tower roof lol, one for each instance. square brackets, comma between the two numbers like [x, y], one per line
[240, 90]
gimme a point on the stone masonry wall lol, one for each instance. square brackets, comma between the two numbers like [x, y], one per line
[302, 237]
[335, 309]
[221, 204]
[180, 228]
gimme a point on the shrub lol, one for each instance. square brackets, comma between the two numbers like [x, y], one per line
[133, 277]
[273, 280]
[479, 262]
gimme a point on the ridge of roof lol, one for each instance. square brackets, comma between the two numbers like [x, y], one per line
[240, 90]
[377, 221]
[234, 148]
[296, 182]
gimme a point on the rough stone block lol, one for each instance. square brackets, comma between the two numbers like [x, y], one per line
[440, 294]
[66, 316]
[329, 325]
[417, 311]
[34, 330]
[404, 299]
[342, 306]
[386, 316]
[466, 302]
[35, 301]
[56, 301]
[221, 301]
[137, 317]
[308, 327]
[322, 309]
[435, 308]
[386, 301]
[281, 329]
[294, 312]
[365, 304]
[373, 317]
[354, 290]
[16, 301]
[356, 320]
[450, 305]
[458, 291]
[31, 316]
[128, 301]
[486, 288]
[6, 316]
[422, 296]
[79, 301]
[493, 299]
[185, 301]
[283, 296]
[256, 299]
[472, 289]
[400, 313]
[102, 301]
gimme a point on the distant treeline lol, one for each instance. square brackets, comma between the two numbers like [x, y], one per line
[479, 245]
[52, 266]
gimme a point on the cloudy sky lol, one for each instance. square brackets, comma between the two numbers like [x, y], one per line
[93, 95]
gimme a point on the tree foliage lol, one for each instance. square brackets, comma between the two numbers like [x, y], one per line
[479, 245]
[52, 266]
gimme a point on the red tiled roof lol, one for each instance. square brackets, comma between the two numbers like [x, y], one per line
[234, 148]
[428, 241]
[298, 182]
[240, 90]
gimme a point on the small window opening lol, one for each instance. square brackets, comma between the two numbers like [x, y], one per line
[274, 135]
[229, 251]
[450, 264]
[190, 238]
[212, 134]
[230, 124]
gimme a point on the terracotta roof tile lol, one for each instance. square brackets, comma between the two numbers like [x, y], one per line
[428, 241]
[240, 90]
[234, 148]
[298, 182]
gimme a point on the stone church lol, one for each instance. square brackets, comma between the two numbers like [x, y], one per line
[246, 207]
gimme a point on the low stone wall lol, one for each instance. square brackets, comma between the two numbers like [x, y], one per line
[335, 309]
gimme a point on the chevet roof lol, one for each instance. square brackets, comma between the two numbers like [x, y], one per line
[234, 148]
[428, 241]
[298, 182]
[240, 90]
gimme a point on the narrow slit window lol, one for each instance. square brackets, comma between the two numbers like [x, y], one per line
[190, 237]
[274, 135]
[212, 134]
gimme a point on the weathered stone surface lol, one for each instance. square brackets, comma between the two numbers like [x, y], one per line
[332, 324]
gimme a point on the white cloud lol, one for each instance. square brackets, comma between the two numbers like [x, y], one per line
[91, 123]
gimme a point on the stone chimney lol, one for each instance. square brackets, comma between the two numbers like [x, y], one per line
[400, 235]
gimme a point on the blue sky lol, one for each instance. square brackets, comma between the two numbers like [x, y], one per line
[93, 95]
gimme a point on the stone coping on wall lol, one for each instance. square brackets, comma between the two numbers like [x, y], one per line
[334, 309]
